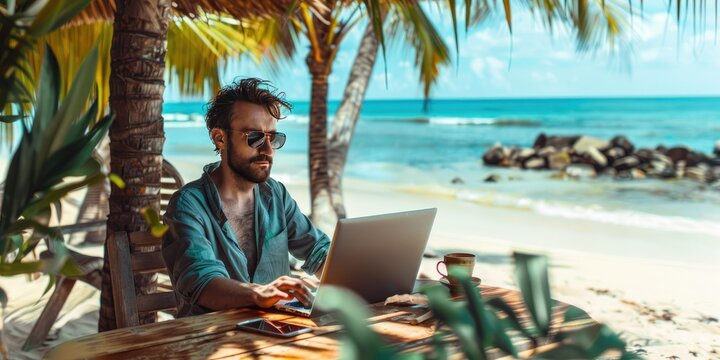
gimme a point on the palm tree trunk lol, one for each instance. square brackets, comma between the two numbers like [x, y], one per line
[347, 115]
[319, 63]
[136, 136]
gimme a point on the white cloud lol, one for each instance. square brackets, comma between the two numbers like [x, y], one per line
[544, 77]
[490, 68]
[648, 55]
[563, 55]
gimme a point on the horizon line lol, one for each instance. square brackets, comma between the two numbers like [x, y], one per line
[603, 97]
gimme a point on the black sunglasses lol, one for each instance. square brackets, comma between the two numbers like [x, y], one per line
[256, 138]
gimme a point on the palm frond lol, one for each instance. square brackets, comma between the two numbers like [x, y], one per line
[431, 52]
[197, 48]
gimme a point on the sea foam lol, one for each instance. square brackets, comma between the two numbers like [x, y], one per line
[595, 213]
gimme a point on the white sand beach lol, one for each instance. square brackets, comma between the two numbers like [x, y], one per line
[659, 288]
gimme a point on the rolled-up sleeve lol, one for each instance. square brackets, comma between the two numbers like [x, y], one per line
[305, 241]
[188, 253]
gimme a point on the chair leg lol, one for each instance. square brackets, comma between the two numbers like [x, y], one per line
[49, 314]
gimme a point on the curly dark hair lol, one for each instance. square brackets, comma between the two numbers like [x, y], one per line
[252, 90]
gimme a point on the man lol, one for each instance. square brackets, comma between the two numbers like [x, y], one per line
[231, 230]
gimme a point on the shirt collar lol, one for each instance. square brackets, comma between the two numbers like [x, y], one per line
[211, 192]
[213, 195]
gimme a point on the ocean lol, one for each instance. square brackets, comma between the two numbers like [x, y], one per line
[397, 142]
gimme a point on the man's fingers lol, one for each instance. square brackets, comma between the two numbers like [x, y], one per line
[312, 283]
[280, 295]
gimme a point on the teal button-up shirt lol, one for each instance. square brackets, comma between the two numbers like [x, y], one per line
[200, 244]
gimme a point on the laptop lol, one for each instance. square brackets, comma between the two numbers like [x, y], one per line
[374, 256]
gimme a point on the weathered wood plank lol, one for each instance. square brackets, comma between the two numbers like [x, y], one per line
[148, 262]
[123, 288]
[213, 336]
[156, 302]
[138, 337]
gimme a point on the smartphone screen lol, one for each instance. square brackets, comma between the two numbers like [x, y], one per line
[270, 327]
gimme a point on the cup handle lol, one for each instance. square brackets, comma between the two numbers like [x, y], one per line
[437, 267]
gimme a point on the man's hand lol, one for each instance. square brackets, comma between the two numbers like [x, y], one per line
[282, 288]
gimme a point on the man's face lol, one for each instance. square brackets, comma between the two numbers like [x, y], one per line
[251, 164]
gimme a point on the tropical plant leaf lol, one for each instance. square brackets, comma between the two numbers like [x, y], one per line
[366, 343]
[74, 155]
[152, 218]
[117, 180]
[457, 317]
[11, 118]
[58, 193]
[500, 305]
[575, 313]
[74, 102]
[489, 330]
[48, 94]
[532, 279]
[17, 188]
[3, 298]
[56, 13]
[52, 279]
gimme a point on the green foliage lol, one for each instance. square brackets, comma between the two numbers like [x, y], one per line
[58, 145]
[152, 218]
[20, 28]
[478, 324]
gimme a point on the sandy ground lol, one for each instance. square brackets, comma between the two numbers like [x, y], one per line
[658, 288]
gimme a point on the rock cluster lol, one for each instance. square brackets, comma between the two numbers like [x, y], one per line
[580, 156]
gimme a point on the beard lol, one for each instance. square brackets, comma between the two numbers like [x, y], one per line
[244, 168]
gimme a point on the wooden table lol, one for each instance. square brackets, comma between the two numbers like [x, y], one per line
[213, 336]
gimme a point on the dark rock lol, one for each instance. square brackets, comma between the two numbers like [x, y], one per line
[457, 181]
[661, 149]
[534, 163]
[625, 163]
[582, 145]
[540, 141]
[613, 154]
[623, 143]
[580, 170]
[557, 142]
[696, 158]
[644, 155]
[492, 178]
[668, 173]
[558, 161]
[712, 161]
[716, 149]
[677, 154]
[494, 156]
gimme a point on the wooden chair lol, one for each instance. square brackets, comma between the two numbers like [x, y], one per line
[170, 182]
[131, 254]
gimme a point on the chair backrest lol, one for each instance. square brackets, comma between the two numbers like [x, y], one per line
[170, 182]
[131, 254]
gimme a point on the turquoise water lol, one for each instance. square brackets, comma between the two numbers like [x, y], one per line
[396, 141]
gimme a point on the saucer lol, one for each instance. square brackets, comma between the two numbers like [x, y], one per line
[475, 280]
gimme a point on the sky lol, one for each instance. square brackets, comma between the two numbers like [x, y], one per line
[532, 63]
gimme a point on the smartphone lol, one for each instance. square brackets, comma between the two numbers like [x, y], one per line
[272, 327]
